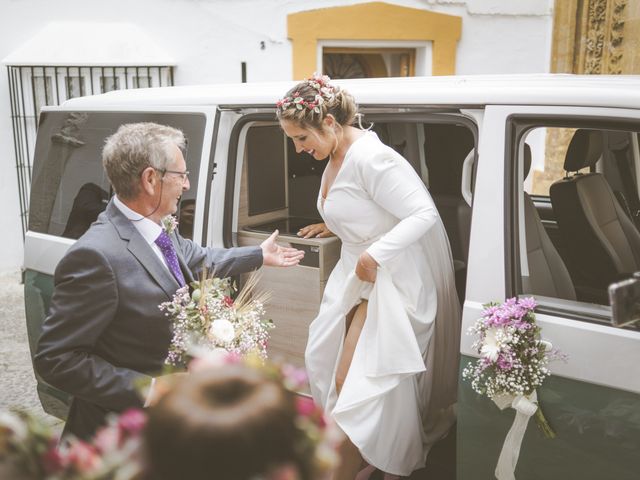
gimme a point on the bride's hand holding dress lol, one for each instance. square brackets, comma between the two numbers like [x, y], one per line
[366, 268]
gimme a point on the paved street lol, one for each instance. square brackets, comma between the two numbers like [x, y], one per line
[18, 385]
[17, 382]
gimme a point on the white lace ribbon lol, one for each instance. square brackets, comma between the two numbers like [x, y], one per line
[525, 407]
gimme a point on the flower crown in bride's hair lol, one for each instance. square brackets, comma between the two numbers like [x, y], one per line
[319, 83]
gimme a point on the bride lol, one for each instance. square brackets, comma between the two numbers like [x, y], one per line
[382, 354]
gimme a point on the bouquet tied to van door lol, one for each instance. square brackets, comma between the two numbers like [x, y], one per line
[513, 364]
[206, 319]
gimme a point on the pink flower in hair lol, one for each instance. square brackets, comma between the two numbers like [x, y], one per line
[132, 421]
[83, 456]
[305, 406]
[52, 460]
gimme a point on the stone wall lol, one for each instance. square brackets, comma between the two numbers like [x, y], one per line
[593, 37]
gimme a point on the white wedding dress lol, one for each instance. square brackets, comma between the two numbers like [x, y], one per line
[398, 397]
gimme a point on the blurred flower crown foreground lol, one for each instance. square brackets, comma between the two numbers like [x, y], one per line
[29, 449]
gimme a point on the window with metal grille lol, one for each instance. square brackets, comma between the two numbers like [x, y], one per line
[33, 87]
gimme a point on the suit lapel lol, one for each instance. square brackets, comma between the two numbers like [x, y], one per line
[186, 271]
[141, 250]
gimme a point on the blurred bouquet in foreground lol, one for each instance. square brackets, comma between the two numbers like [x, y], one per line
[29, 450]
[129, 446]
[206, 318]
[512, 366]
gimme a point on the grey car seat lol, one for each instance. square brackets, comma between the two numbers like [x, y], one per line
[548, 274]
[604, 244]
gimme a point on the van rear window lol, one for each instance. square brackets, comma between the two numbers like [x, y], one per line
[69, 187]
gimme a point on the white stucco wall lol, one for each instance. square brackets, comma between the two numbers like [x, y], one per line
[210, 38]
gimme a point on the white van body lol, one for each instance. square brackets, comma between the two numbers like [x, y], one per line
[465, 136]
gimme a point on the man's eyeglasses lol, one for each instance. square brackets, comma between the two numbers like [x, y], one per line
[184, 175]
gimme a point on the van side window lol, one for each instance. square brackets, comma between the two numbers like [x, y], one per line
[578, 213]
[69, 187]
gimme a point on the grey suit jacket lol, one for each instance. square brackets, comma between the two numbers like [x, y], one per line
[104, 330]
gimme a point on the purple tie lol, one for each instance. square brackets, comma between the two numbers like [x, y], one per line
[166, 247]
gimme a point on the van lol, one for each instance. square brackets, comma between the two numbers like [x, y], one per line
[536, 178]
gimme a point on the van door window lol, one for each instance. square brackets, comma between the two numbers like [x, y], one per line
[69, 186]
[576, 222]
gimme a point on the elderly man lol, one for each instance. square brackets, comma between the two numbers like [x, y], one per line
[104, 331]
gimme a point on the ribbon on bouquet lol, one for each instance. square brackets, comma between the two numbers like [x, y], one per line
[525, 407]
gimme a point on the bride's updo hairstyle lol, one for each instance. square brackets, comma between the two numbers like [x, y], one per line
[228, 423]
[310, 101]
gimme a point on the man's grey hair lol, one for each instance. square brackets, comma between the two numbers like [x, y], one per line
[134, 147]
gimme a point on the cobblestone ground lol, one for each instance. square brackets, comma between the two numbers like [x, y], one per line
[17, 381]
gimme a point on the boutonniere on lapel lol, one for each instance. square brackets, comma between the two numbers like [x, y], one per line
[169, 224]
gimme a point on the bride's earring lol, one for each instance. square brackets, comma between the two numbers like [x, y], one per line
[335, 135]
[359, 117]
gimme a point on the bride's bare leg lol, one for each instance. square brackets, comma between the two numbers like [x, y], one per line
[350, 461]
[350, 458]
[355, 323]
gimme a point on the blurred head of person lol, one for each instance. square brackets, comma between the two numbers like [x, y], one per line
[231, 422]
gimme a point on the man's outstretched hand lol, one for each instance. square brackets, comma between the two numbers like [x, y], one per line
[274, 255]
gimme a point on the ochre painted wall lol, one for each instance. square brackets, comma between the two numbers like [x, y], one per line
[372, 21]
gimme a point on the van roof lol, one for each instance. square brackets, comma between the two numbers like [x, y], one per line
[527, 89]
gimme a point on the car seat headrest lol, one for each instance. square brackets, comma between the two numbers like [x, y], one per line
[584, 150]
[618, 140]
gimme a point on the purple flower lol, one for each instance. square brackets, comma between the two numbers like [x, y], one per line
[504, 362]
[502, 317]
[489, 311]
[522, 325]
[511, 302]
[528, 303]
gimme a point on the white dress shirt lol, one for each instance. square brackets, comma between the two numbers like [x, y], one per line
[149, 229]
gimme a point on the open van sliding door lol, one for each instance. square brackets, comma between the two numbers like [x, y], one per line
[69, 189]
[593, 399]
[268, 185]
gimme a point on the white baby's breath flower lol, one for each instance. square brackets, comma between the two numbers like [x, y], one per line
[222, 330]
[12, 422]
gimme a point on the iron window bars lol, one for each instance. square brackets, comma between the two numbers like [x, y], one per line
[32, 87]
